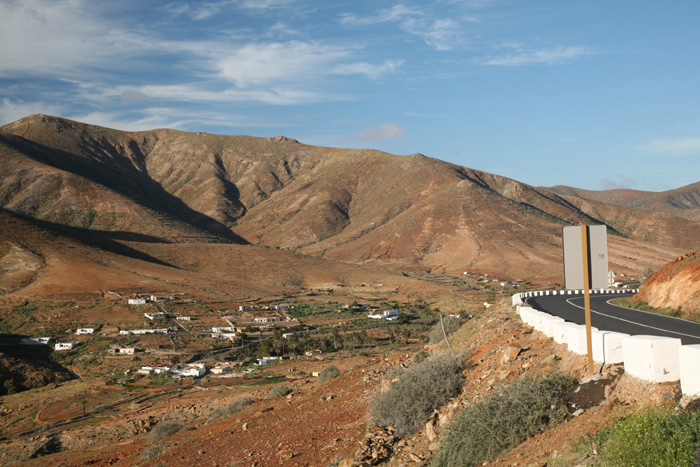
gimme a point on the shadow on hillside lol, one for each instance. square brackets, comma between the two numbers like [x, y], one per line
[28, 366]
[121, 175]
[104, 240]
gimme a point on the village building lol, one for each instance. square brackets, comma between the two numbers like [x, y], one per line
[136, 301]
[161, 298]
[193, 370]
[156, 369]
[245, 308]
[154, 315]
[130, 332]
[267, 361]
[221, 329]
[267, 319]
[183, 318]
[81, 331]
[123, 350]
[35, 340]
[65, 345]
[389, 315]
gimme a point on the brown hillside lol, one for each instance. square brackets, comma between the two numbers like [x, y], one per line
[41, 259]
[361, 206]
[681, 202]
[676, 285]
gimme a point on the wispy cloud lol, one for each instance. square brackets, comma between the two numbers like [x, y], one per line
[622, 183]
[11, 110]
[672, 147]
[273, 63]
[551, 56]
[383, 132]
[440, 33]
[371, 70]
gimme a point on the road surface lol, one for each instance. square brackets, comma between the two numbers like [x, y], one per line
[607, 316]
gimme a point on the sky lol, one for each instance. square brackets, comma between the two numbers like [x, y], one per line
[591, 94]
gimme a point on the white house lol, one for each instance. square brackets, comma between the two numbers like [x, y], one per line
[85, 331]
[157, 369]
[245, 308]
[194, 370]
[35, 340]
[390, 315]
[161, 298]
[223, 329]
[287, 335]
[267, 319]
[267, 361]
[136, 301]
[123, 350]
[183, 318]
[65, 345]
[281, 307]
[142, 331]
[154, 315]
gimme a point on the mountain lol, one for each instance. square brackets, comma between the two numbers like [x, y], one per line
[356, 206]
[676, 285]
[42, 258]
[681, 202]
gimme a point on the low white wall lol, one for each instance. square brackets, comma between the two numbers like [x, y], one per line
[576, 339]
[689, 360]
[607, 346]
[652, 358]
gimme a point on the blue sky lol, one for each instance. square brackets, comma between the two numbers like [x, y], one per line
[594, 94]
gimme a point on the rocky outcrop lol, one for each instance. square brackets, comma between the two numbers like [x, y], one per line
[676, 285]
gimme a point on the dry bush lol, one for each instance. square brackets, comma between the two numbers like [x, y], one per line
[328, 374]
[503, 420]
[421, 389]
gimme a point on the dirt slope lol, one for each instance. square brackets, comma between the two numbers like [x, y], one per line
[676, 285]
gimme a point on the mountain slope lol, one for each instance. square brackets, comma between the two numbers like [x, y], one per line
[676, 285]
[681, 202]
[364, 206]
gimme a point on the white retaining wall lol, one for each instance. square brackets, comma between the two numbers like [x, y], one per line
[651, 358]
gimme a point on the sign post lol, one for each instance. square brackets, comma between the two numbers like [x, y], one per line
[586, 267]
[587, 296]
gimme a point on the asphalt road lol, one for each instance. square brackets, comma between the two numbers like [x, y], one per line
[609, 317]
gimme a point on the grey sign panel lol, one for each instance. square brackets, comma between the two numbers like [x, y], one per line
[597, 248]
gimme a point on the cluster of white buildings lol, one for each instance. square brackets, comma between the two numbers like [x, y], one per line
[389, 315]
[191, 370]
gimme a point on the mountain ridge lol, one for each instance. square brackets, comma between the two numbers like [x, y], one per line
[354, 205]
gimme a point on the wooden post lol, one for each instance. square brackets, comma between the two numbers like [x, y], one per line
[587, 297]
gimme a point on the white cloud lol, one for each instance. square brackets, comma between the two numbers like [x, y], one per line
[384, 132]
[11, 111]
[48, 37]
[673, 147]
[370, 70]
[547, 56]
[442, 34]
[262, 64]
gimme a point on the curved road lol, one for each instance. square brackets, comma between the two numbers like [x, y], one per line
[609, 317]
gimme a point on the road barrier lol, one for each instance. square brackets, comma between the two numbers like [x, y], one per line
[651, 358]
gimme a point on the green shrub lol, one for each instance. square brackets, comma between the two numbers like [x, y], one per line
[503, 420]
[421, 389]
[279, 391]
[651, 438]
[451, 326]
[328, 373]
[163, 430]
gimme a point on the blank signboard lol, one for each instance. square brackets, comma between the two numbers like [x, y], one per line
[597, 248]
